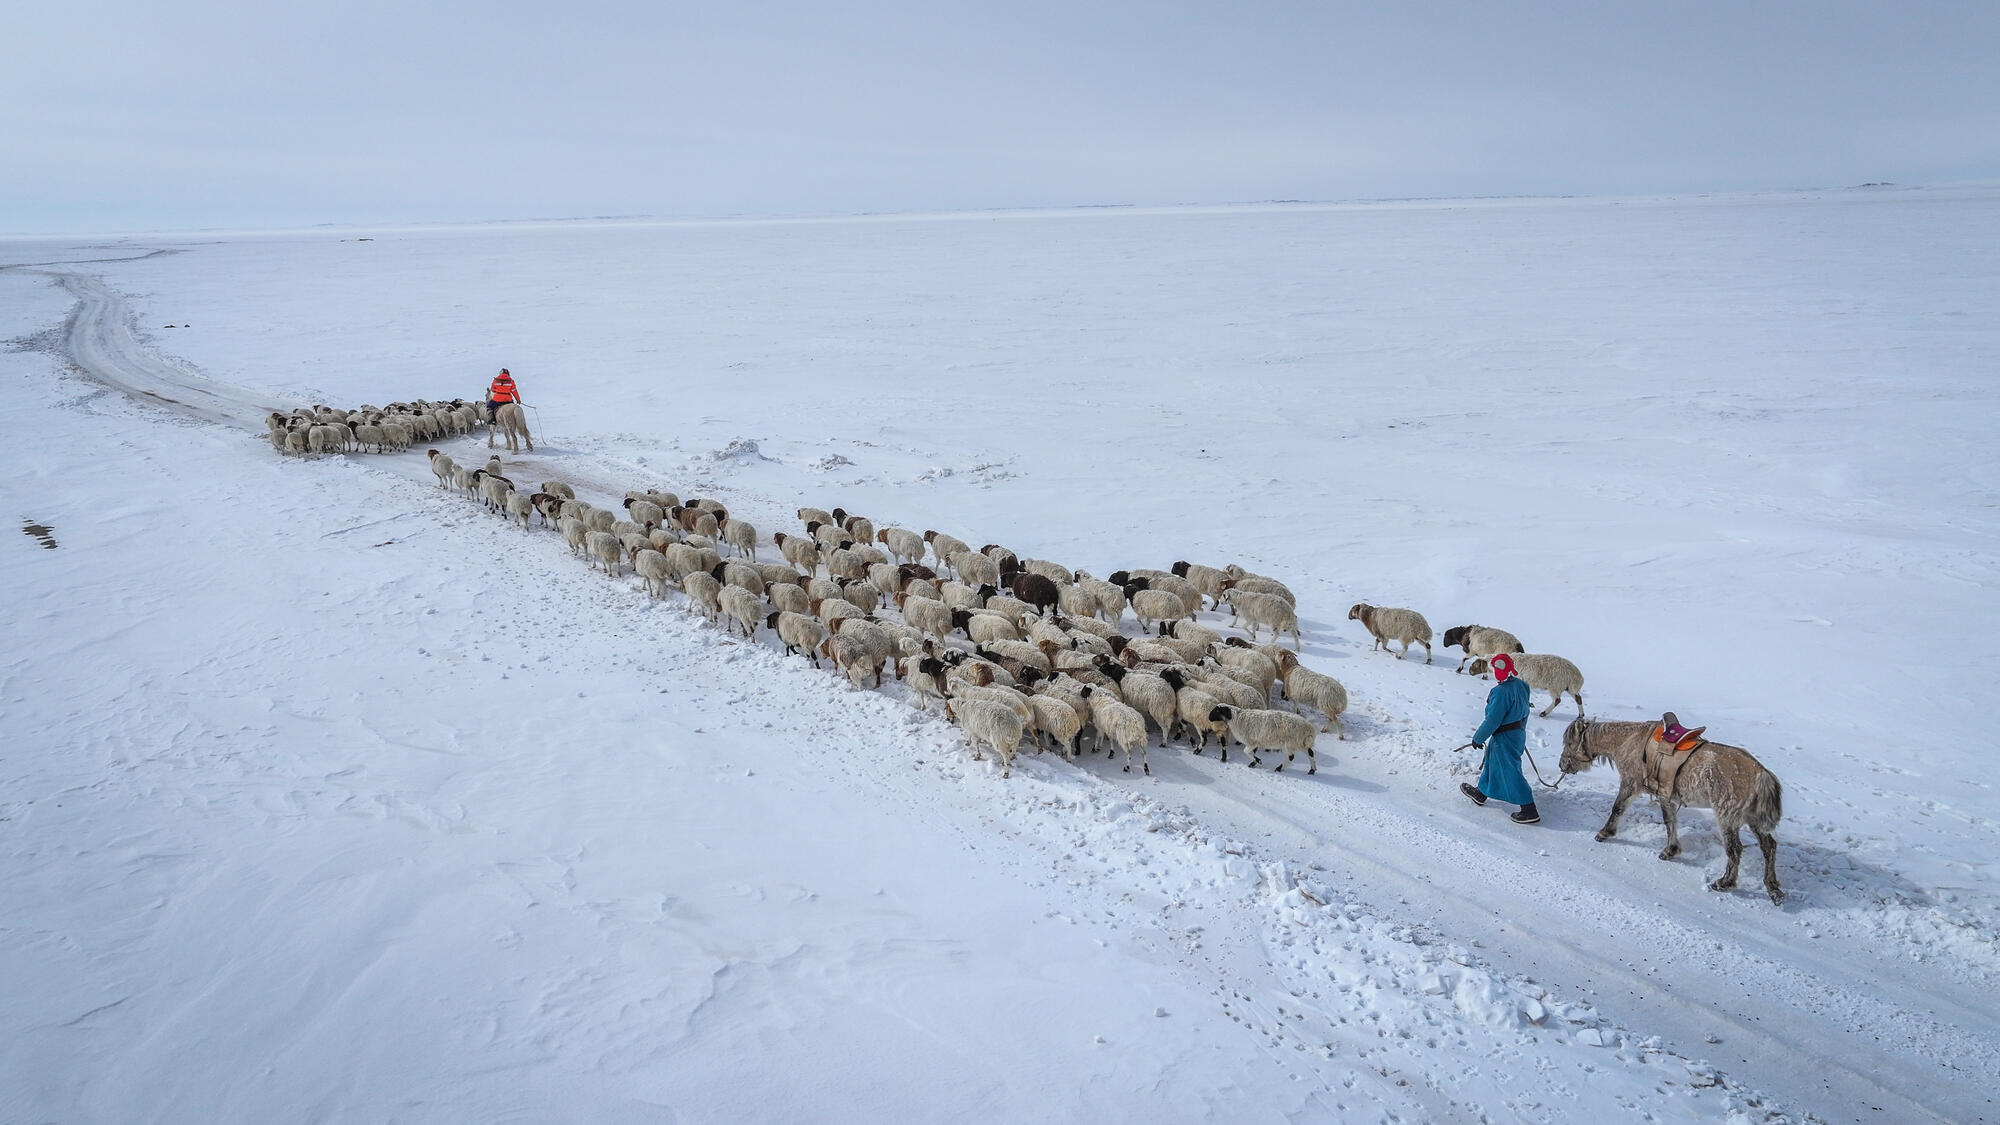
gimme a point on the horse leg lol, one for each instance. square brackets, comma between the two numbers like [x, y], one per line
[1769, 845]
[1625, 791]
[1668, 812]
[1732, 842]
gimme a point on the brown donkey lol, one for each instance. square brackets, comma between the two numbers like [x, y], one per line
[1723, 778]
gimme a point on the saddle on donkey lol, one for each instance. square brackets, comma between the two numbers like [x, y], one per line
[1673, 745]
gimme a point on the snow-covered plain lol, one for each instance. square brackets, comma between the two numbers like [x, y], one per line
[327, 796]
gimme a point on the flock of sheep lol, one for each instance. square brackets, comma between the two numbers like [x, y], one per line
[390, 429]
[1011, 648]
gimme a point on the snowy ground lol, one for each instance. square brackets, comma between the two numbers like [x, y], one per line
[294, 828]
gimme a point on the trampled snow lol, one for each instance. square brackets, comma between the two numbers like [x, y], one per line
[328, 796]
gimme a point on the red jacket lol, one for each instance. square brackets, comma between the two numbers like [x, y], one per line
[503, 390]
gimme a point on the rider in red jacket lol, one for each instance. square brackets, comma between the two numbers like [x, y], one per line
[502, 391]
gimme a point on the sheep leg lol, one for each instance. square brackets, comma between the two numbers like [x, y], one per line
[1579, 703]
[1670, 813]
[1625, 791]
[1312, 762]
[1555, 700]
[1732, 842]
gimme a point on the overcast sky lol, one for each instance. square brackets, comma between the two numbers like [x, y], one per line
[195, 113]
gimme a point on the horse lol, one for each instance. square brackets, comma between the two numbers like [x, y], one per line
[510, 419]
[1723, 778]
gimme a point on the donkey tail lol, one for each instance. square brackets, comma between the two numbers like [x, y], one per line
[1767, 804]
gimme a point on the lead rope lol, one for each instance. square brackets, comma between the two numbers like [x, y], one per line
[1538, 771]
[1531, 763]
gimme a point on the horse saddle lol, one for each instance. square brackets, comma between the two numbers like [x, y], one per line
[1674, 744]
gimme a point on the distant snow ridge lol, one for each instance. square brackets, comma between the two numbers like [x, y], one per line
[741, 449]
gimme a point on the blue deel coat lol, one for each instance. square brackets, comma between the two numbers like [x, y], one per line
[1502, 779]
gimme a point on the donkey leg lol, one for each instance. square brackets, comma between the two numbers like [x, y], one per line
[1769, 845]
[1732, 842]
[1668, 813]
[1610, 829]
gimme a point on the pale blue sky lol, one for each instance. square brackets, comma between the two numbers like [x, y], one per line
[121, 116]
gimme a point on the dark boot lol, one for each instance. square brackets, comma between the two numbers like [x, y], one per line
[1472, 792]
[1526, 815]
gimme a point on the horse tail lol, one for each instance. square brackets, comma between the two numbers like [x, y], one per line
[1767, 803]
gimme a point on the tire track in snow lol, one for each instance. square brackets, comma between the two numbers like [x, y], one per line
[1582, 911]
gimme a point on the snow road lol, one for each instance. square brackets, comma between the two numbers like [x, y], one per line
[1819, 1004]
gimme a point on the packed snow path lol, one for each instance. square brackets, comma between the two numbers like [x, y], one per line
[1877, 1032]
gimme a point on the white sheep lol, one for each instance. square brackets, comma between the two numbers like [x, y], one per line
[1207, 579]
[1055, 572]
[957, 687]
[1545, 672]
[1265, 729]
[852, 655]
[944, 546]
[958, 595]
[733, 572]
[989, 724]
[815, 515]
[740, 607]
[975, 569]
[984, 628]
[442, 467]
[799, 633]
[777, 574]
[645, 513]
[1258, 584]
[880, 644]
[1315, 689]
[1480, 640]
[1264, 611]
[742, 535]
[1076, 601]
[1160, 606]
[1147, 693]
[933, 617]
[1216, 681]
[1261, 669]
[1020, 652]
[558, 488]
[520, 507]
[573, 533]
[1193, 704]
[704, 591]
[800, 552]
[790, 598]
[651, 566]
[1055, 717]
[604, 547]
[843, 563]
[862, 595]
[1120, 723]
[1200, 634]
[1011, 608]
[906, 545]
[1405, 625]
[834, 608]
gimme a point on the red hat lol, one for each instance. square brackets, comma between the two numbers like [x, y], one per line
[1503, 668]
